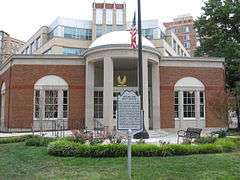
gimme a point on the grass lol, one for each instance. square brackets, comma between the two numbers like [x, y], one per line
[18, 161]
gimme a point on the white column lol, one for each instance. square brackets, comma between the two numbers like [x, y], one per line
[145, 92]
[2, 123]
[89, 99]
[156, 96]
[197, 108]
[108, 93]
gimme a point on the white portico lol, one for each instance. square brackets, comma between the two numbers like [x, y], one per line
[112, 67]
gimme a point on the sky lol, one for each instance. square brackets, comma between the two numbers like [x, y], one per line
[22, 18]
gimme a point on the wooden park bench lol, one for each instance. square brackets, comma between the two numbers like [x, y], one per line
[190, 133]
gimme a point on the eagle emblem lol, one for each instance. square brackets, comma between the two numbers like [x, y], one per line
[122, 82]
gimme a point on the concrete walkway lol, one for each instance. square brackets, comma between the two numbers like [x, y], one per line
[155, 137]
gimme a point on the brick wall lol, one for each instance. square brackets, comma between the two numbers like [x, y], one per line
[22, 88]
[212, 78]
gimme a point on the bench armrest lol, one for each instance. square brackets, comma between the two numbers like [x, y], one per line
[181, 133]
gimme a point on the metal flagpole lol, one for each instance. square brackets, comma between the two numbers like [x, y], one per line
[144, 134]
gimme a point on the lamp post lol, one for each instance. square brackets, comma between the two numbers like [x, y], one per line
[144, 134]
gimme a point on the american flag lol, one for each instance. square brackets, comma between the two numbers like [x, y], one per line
[133, 33]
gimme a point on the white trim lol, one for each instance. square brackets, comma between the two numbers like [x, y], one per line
[47, 62]
[192, 62]
[51, 81]
[189, 82]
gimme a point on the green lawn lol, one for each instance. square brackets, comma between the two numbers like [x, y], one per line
[18, 161]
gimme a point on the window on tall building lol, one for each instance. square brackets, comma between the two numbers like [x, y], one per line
[148, 33]
[187, 45]
[119, 16]
[120, 28]
[73, 51]
[186, 37]
[49, 51]
[50, 98]
[109, 16]
[77, 33]
[27, 50]
[99, 16]
[33, 47]
[174, 45]
[38, 43]
[174, 30]
[185, 29]
[99, 30]
[109, 28]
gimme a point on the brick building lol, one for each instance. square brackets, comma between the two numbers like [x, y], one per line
[68, 74]
[183, 27]
[38, 90]
[8, 46]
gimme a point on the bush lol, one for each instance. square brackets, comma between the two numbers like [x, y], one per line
[220, 133]
[68, 148]
[205, 140]
[39, 141]
[96, 141]
[15, 139]
[75, 139]
[115, 139]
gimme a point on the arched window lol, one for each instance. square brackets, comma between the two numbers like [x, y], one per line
[3, 91]
[189, 99]
[51, 98]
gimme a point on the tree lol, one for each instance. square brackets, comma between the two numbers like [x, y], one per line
[218, 29]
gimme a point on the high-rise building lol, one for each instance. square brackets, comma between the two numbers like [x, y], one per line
[183, 27]
[8, 45]
[72, 36]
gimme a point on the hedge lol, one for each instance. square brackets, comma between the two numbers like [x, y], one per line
[39, 141]
[68, 148]
[15, 139]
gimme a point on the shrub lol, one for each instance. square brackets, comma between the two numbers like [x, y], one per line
[115, 139]
[75, 139]
[39, 141]
[220, 133]
[68, 148]
[205, 140]
[95, 141]
[15, 139]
